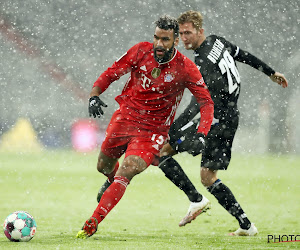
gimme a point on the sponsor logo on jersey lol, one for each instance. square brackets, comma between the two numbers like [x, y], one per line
[155, 72]
[216, 51]
[146, 82]
[168, 77]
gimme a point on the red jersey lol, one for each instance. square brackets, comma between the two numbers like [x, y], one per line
[154, 90]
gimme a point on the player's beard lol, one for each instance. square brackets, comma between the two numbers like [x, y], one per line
[167, 56]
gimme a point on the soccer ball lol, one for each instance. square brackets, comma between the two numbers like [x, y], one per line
[19, 226]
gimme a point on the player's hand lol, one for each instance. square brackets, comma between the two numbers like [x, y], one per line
[197, 144]
[95, 104]
[280, 79]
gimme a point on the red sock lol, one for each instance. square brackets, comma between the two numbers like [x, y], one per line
[111, 175]
[111, 197]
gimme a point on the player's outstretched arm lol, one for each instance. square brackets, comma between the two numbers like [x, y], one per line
[280, 79]
[246, 57]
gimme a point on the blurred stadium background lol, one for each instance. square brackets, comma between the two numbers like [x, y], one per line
[52, 52]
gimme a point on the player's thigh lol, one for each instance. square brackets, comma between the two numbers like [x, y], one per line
[147, 146]
[117, 136]
[218, 146]
[142, 150]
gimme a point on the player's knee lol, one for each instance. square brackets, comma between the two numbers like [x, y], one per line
[101, 166]
[131, 166]
[203, 178]
[208, 177]
[105, 164]
[205, 182]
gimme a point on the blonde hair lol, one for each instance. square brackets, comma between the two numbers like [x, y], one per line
[193, 17]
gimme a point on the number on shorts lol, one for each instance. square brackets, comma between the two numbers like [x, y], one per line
[159, 139]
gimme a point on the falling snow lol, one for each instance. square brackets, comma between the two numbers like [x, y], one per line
[53, 51]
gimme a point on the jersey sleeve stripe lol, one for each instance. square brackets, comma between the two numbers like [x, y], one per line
[237, 51]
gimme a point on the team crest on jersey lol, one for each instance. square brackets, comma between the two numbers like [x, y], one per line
[169, 77]
[155, 72]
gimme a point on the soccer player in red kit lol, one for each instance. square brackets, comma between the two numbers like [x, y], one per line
[159, 74]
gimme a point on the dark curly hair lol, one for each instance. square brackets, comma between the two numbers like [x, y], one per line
[167, 22]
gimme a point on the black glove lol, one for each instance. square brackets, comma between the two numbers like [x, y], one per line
[197, 144]
[95, 106]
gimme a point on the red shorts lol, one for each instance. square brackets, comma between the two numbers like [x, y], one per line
[123, 136]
